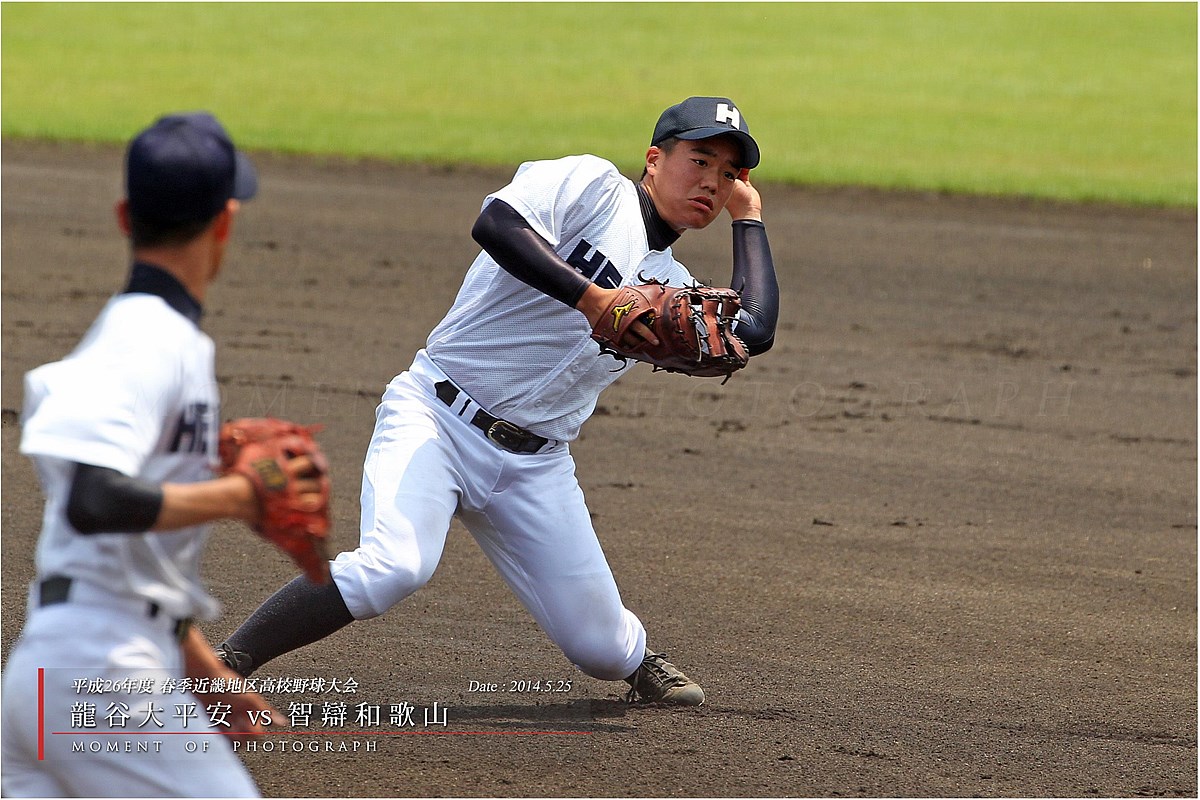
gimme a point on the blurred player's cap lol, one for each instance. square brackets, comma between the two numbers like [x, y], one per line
[184, 168]
[702, 117]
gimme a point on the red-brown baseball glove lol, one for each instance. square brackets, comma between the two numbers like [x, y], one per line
[693, 324]
[260, 449]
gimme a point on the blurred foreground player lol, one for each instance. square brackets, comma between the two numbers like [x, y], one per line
[123, 433]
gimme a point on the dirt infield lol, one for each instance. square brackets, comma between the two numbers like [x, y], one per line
[958, 550]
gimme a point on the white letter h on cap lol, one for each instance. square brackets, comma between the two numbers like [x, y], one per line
[726, 113]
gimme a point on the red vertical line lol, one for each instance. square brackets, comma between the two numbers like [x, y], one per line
[41, 713]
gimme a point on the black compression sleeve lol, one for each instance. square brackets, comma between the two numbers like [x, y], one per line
[521, 251]
[754, 277]
[103, 500]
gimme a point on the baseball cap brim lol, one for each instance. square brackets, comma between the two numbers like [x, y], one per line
[245, 178]
[750, 154]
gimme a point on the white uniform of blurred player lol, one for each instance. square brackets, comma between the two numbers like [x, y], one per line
[123, 435]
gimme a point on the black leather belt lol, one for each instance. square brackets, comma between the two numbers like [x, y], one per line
[57, 589]
[511, 437]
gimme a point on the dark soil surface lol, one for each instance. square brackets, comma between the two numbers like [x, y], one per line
[940, 541]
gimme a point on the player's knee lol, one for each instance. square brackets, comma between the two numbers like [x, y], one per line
[373, 580]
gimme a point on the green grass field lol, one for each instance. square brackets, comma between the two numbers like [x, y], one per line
[1058, 100]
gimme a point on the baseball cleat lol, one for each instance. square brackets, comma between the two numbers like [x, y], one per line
[236, 660]
[659, 681]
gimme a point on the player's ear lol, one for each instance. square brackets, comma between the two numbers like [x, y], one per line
[121, 209]
[223, 224]
[653, 156]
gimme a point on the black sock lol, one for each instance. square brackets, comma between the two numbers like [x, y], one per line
[298, 614]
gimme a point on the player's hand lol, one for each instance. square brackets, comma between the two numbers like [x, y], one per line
[307, 476]
[307, 480]
[745, 202]
[243, 726]
[593, 303]
[247, 712]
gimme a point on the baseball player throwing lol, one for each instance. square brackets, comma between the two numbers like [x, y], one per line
[123, 432]
[480, 424]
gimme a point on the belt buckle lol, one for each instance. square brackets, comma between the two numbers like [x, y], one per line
[507, 435]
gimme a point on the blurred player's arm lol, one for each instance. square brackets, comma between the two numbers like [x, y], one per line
[246, 717]
[103, 500]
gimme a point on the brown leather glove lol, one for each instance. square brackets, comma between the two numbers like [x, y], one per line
[693, 324]
[260, 449]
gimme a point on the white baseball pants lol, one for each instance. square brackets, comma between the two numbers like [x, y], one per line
[527, 512]
[75, 641]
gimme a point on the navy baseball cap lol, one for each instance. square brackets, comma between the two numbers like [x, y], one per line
[702, 117]
[184, 168]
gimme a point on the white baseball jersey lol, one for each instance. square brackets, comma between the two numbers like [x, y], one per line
[521, 354]
[137, 395]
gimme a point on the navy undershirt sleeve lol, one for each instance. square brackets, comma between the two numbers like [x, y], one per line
[103, 500]
[754, 277]
[522, 252]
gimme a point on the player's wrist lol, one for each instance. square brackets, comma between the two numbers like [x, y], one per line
[243, 503]
[592, 302]
[752, 214]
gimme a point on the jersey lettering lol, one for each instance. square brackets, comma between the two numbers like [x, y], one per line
[727, 113]
[595, 265]
[191, 432]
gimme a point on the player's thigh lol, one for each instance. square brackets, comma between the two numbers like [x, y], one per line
[539, 535]
[209, 770]
[98, 740]
[409, 470]
[410, 489]
[62, 649]
[25, 779]
[21, 773]
[540, 521]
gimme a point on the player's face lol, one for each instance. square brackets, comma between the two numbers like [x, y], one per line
[691, 184]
